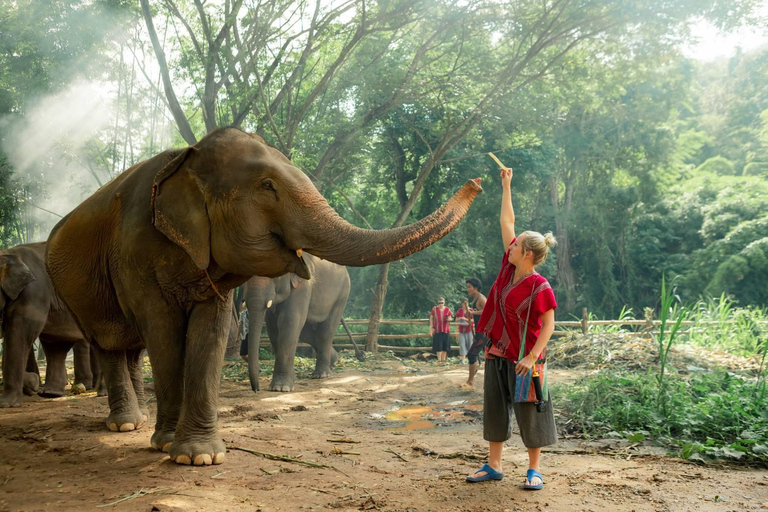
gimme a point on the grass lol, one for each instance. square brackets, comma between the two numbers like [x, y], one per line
[709, 414]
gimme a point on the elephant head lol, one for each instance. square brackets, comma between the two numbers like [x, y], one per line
[14, 277]
[233, 199]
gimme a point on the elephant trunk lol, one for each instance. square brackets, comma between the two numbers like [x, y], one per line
[332, 238]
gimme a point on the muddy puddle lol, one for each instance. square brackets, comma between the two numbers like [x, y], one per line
[425, 417]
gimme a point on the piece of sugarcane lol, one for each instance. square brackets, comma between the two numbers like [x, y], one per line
[498, 162]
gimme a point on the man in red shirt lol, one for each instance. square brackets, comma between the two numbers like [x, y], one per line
[440, 329]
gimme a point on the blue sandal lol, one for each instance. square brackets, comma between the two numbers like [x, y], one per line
[490, 474]
[530, 474]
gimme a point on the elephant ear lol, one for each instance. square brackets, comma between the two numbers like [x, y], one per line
[297, 283]
[14, 277]
[179, 210]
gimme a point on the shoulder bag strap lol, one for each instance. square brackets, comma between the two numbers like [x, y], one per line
[527, 316]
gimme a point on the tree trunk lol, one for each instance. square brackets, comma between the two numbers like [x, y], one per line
[173, 103]
[377, 305]
[565, 273]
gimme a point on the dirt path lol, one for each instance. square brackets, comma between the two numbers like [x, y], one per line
[58, 455]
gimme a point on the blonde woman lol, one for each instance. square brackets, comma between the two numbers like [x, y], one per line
[518, 293]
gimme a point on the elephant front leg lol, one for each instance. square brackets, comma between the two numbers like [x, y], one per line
[31, 374]
[284, 334]
[18, 337]
[197, 440]
[124, 414]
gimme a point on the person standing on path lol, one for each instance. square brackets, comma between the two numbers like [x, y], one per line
[440, 329]
[478, 343]
[464, 334]
[519, 299]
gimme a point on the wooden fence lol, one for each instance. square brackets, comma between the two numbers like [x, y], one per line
[562, 328]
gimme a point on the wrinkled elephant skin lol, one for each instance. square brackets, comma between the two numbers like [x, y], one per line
[296, 309]
[167, 242]
[31, 309]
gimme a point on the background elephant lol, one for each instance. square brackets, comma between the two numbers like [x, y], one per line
[31, 309]
[170, 238]
[294, 309]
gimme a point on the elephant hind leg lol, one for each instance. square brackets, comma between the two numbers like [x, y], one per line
[124, 412]
[56, 367]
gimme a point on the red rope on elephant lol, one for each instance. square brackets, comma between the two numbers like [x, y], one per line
[214, 286]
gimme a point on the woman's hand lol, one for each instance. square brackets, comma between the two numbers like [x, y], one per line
[525, 364]
[506, 176]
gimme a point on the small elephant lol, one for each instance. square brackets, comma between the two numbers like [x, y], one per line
[167, 242]
[296, 309]
[31, 309]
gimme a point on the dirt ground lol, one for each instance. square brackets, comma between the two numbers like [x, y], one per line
[413, 436]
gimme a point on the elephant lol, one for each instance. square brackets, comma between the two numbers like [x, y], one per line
[31, 309]
[170, 238]
[294, 309]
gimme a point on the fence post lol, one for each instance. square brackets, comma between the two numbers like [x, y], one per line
[584, 321]
[649, 320]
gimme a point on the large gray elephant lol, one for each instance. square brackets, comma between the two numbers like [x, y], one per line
[170, 238]
[30, 309]
[294, 309]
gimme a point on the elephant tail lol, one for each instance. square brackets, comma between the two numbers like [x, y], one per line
[359, 354]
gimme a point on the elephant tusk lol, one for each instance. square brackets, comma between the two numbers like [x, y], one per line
[269, 303]
[299, 252]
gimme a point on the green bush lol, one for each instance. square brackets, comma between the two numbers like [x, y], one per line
[718, 165]
[755, 169]
[708, 413]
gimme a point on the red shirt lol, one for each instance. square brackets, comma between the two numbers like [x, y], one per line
[465, 314]
[440, 319]
[504, 315]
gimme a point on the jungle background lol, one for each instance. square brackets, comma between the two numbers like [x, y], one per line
[641, 161]
[648, 165]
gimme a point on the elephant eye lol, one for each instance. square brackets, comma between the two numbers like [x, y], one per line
[268, 185]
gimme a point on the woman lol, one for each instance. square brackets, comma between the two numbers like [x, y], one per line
[464, 336]
[519, 293]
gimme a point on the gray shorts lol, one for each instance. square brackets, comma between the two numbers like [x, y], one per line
[537, 429]
[465, 341]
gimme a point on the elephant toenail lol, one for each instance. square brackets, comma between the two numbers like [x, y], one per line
[183, 459]
[167, 447]
[112, 427]
[219, 458]
[202, 459]
[127, 427]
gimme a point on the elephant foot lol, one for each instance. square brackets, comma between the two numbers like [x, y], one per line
[77, 389]
[334, 357]
[198, 452]
[51, 391]
[13, 400]
[31, 383]
[322, 373]
[161, 440]
[125, 421]
[282, 383]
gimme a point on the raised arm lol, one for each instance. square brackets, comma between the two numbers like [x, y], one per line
[507, 217]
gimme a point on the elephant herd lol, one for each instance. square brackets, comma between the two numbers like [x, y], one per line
[149, 262]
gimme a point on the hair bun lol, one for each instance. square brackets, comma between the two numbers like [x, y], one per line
[549, 239]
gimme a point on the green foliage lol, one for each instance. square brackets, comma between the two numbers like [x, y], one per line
[671, 315]
[756, 169]
[717, 165]
[714, 413]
